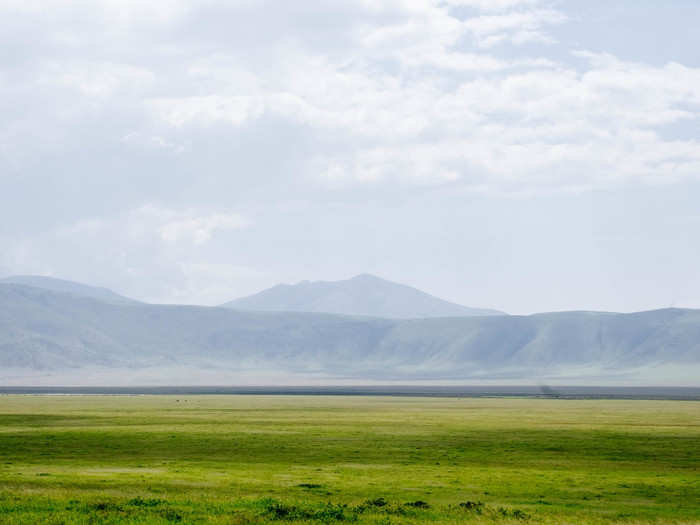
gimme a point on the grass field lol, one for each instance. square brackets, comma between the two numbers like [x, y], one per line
[295, 459]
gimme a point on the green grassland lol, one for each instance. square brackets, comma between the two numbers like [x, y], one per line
[380, 460]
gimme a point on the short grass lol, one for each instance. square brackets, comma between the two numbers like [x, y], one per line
[379, 460]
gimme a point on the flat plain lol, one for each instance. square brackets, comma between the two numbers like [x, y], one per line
[334, 459]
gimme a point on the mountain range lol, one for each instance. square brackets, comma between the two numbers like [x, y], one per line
[65, 334]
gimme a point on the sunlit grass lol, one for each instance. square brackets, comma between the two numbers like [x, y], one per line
[287, 459]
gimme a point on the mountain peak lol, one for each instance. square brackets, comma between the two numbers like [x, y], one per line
[368, 278]
[365, 276]
[364, 295]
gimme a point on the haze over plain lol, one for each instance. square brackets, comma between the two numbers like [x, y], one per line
[62, 333]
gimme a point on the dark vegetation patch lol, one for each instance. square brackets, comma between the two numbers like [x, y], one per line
[419, 504]
[477, 507]
[106, 505]
[474, 506]
[148, 502]
[278, 510]
[336, 512]
[512, 513]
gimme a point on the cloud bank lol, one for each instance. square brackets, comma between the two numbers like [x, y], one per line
[134, 129]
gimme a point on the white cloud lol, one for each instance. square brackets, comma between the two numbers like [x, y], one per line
[493, 5]
[117, 11]
[518, 27]
[402, 96]
[152, 142]
[205, 110]
[171, 226]
[200, 229]
[97, 79]
[149, 223]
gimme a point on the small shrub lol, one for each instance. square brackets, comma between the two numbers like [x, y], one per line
[149, 502]
[418, 504]
[472, 506]
[331, 512]
[515, 513]
[328, 512]
[106, 505]
[281, 511]
[520, 515]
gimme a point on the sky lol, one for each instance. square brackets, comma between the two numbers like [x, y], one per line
[524, 155]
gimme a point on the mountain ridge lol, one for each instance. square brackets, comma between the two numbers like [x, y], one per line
[70, 287]
[361, 295]
[49, 333]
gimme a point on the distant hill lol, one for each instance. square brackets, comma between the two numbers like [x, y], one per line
[69, 287]
[363, 295]
[71, 338]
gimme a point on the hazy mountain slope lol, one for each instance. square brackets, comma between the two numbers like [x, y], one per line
[39, 329]
[567, 339]
[364, 295]
[63, 286]
[43, 330]
[35, 323]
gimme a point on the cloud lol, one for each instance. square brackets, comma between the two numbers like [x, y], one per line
[493, 5]
[220, 114]
[398, 93]
[149, 224]
[96, 78]
[171, 226]
[150, 252]
[200, 229]
[518, 27]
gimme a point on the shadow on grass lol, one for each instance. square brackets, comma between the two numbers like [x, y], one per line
[521, 447]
